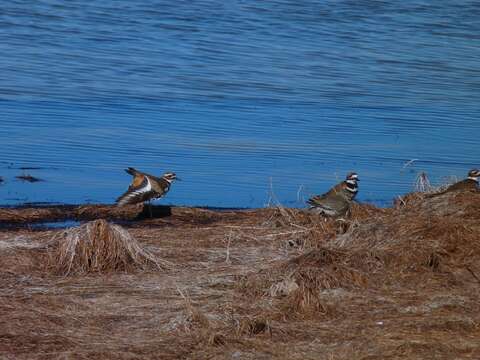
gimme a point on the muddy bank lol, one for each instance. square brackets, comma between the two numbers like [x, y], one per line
[25, 215]
[397, 283]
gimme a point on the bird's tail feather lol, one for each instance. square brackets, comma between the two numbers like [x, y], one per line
[132, 171]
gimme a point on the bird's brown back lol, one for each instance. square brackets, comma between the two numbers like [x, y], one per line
[137, 180]
[467, 184]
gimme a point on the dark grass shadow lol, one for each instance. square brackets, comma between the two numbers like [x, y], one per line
[58, 216]
[154, 212]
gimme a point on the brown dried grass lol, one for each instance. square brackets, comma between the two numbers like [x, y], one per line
[427, 240]
[319, 270]
[309, 230]
[99, 246]
[29, 215]
[405, 279]
[301, 282]
[326, 269]
[434, 238]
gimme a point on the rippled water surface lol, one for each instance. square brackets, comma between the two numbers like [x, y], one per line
[236, 97]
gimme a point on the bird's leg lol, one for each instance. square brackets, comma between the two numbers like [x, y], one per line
[150, 208]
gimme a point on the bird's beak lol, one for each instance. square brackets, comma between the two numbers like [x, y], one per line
[178, 179]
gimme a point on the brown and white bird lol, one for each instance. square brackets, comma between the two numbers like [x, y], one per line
[337, 201]
[468, 184]
[145, 187]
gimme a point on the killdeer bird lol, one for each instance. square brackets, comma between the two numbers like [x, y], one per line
[468, 184]
[337, 201]
[145, 187]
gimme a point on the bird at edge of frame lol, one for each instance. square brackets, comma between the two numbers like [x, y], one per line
[337, 201]
[468, 184]
[146, 187]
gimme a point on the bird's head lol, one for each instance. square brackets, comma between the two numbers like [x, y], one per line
[474, 174]
[352, 178]
[170, 176]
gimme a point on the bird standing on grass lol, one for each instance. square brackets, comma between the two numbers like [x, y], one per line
[468, 184]
[145, 187]
[337, 201]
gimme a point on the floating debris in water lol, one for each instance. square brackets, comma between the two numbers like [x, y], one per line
[28, 178]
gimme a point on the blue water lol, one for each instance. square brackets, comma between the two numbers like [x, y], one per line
[236, 97]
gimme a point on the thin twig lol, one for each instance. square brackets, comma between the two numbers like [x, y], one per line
[229, 241]
[288, 233]
[472, 273]
[300, 188]
[408, 163]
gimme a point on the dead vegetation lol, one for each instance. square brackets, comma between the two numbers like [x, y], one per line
[396, 283]
[29, 215]
[25, 216]
[98, 246]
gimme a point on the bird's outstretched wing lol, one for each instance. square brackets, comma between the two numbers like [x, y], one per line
[139, 191]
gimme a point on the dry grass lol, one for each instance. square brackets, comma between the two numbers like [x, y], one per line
[301, 282]
[426, 239]
[30, 215]
[278, 283]
[98, 246]
[423, 189]
[422, 183]
[316, 271]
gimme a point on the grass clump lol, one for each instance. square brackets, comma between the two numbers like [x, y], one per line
[99, 246]
[302, 283]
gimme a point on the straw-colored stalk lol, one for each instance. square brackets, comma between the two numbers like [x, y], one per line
[99, 246]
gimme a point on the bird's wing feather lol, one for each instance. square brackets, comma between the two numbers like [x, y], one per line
[331, 204]
[316, 199]
[136, 193]
[332, 192]
[138, 180]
